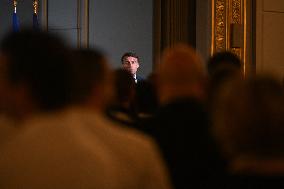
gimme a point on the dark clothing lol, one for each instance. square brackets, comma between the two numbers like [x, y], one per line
[181, 129]
[126, 117]
[254, 182]
[145, 100]
[122, 116]
[139, 78]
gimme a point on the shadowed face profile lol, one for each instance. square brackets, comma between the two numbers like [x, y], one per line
[130, 64]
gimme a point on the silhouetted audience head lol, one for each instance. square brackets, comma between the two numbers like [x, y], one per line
[36, 71]
[222, 67]
[249, 118]
[92, 80]
[181, 73]
[224, 64]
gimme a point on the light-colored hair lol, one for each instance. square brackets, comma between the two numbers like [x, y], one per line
[180, 65]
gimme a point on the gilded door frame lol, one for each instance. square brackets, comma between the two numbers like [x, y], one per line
[230, 26]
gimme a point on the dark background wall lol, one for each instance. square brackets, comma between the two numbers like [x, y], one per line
[5, 16]
[62, 19]
[124, 25]
[115, 26]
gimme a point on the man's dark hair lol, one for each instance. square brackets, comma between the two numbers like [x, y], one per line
[40, 60]
[223, 59]
[129, 54]
[88, 70]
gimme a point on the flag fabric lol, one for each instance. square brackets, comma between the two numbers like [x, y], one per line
[35, 22]
[35, 15]
[16, 24]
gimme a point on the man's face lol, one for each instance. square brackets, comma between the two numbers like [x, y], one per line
[130, 64]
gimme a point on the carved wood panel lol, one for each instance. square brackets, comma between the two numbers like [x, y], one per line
[229, 27]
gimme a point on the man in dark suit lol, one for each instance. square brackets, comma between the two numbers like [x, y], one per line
[130, 62]
[181, 125]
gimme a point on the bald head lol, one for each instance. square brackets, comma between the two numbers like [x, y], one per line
[181, 73]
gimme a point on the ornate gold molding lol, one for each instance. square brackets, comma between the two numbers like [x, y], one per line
[236, 12]
[235, 16]
[35, 5]
[219, 24]
[229, 27]
[15, 3]
[44, 9]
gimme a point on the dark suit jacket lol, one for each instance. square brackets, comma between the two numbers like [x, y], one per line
[181, 129]
[249, 181]
[139, 78]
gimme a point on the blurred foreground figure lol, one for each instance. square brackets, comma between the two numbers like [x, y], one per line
[248, 123]
[222, 67]
[63, 146]
[181, 125]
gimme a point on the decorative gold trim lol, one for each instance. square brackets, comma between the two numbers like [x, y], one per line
[15, 2]
[35, 5]
[83, 23]
[236, 12]
[44, 9]
[245, 37]
[79, 27]
[220, 25]
[86, 24]
[226, 13]
[237, 51]
[213, 27]
[236, 17]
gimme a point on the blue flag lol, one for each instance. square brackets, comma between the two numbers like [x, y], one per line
[16, 24]
[35, 22]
